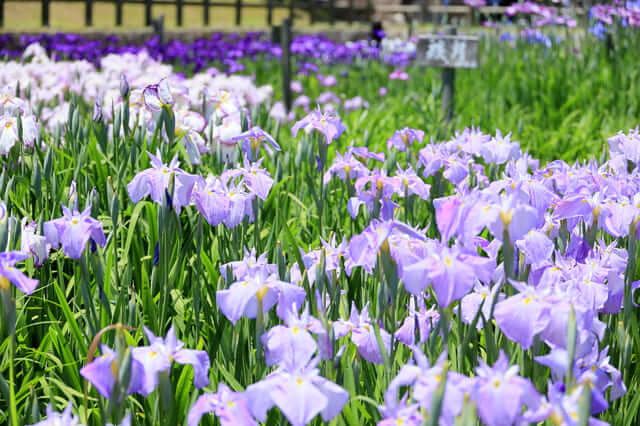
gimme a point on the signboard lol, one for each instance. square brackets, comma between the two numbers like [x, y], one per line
[447, 51]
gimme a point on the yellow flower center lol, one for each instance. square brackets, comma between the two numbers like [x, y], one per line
[506, 217]
[231, 404]
[75, 221]
[527, 300]
[295, 329]
[260, 294]
[496, 383]
[448, 261]
[8, 124]
[4, 283]
[115, 369]
[299, 381]
[556, 419]
[153, 354]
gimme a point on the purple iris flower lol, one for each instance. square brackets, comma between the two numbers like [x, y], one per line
[523, 316]
[564, 407]
[103, 373]
[327, 124]
[500, 149]
[53, 418]
[375, 191]
[253, 139]
[249, 265]
[363, 153]
[256, 178]
[34, 244]
[345, 167]
[593, 366]
[300, 393]
[364, 248]
[626, 145]
[591, 209]
[242, 297]
[157, 96]
[230, 407]
[9, 274]
[189, 126]
[155, 183]
[514, 216]
[286, 345]
[537, 249]
[500, 393]
[621, 216]
[355, 103]
[363, 334]
[158, 356]
[424, 380]
[451, 272]
[401, 413]
[481, 295]
[402, 139]
[227, 199]
[333, 253]
[73, 231]
[411, 184]
[421, 319]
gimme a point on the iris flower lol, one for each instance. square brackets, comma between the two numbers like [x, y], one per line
[159, 355]
[327, 124]
[9, 273]
[155, 183]
[300, 393]
[363, 335]
[241, 299]
[230, 407]
[73, 231]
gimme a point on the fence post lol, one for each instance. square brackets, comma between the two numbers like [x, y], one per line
[292, 6]
[269, 12]
[88, 13]
[351, 11]
[238, 13]
[147, 13]
[179, 12]
[205, 14]
[45, 13]
[448, 86]
[158, 29]
[118, 13]
[1, 13]
[285, 45]
[332, 12]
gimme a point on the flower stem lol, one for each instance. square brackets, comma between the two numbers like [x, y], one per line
[13, 409]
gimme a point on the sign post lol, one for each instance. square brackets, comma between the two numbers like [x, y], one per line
[448, 52]
[285, 44]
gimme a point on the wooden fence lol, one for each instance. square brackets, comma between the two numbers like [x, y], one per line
[328, 10]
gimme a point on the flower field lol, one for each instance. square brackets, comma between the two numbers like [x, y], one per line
[176, 248]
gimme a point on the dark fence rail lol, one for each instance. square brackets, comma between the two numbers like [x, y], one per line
[324, 8]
